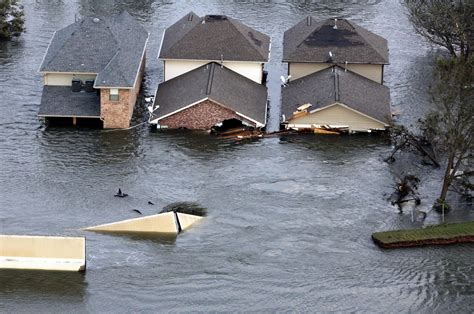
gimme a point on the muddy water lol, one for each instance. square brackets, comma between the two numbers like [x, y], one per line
[290, 218]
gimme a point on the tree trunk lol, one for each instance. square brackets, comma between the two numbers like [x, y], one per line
[448, 177]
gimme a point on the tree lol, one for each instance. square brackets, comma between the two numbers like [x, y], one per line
[451, 125]
[448, 23]
[11, 19]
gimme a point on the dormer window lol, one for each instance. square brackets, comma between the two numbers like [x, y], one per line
[114, 94]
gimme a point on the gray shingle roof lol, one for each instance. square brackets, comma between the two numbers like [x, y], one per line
[61, 101]
[332, 85]
[311, 41]
[217, 83]
[213, 37]
[109, 46]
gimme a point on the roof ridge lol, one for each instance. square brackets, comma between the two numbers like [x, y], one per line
[231, 20]
[356, 29]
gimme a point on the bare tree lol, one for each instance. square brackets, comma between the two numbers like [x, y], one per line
[448, 23]
[451, 125]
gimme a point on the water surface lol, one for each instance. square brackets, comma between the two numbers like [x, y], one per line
[289, 218]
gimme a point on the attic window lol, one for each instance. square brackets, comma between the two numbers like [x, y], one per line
[114, 94]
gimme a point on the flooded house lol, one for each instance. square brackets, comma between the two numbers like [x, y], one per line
[194, 41]
[208, 96]
[92, 72]
[312, 46]
[336, 99]
[335, 77]
[213, 75]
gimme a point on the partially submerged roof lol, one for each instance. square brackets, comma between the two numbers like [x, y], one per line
[335, 85]
[112, 47]
[216, 83]
[213, 37]
[311, 41]
[61, 101]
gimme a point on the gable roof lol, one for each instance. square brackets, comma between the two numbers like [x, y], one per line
[335, 85]
[311, 41]
[213, 37]
[112, 47]
[214, 82]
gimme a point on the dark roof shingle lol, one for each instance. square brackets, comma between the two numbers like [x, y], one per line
[217, 83]
[61, 101]
[111, 47]
[333, 85]
[213, 37]
[311, 41]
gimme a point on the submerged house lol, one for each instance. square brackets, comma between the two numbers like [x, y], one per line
[194, 41]
[336, 99]
[335, 77]
[312, 46]
[208, 96]
[92, 71]
[213, 75]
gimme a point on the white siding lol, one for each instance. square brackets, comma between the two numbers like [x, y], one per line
[338, 115]
[251, 70]
[298, 70]
[58, 79]
[373, 72]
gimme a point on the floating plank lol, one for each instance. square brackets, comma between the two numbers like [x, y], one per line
[322, 131]
[42, 253]
[164, 223]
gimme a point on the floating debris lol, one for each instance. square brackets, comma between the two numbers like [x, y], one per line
[42, 253]
[190, 208]
[173, 219]
[120, 194]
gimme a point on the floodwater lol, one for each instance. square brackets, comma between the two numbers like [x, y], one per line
[289, 218]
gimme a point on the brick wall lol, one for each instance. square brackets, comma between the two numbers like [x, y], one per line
[117, 114]
[201, 116]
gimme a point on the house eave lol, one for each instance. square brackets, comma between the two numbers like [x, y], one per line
[349, 62]
[211, 60]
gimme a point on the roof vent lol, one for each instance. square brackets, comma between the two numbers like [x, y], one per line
[89, 86]
[331, 57]
[308, 21]
[76, 85]
[96, 20]
[335, 24]
[215, 18]
[190, 17]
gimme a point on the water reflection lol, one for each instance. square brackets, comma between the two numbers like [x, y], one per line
[150, 237]
[35, 284]
[141, 9]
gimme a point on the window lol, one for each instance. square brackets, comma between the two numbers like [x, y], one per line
[114, 94]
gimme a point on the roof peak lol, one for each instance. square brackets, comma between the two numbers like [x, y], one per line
[212, 36]
[310, 41]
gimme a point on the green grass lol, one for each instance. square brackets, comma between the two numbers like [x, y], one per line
[443, 231]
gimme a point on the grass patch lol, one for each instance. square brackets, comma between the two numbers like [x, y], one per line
[443, 231]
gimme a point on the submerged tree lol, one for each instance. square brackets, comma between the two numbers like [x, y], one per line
[448, 129]
[451, 125]
[448, 23]
[11, 19]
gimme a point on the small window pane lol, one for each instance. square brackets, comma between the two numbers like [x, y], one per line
[114, 94]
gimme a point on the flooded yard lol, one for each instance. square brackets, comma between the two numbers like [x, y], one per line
[289, 218]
